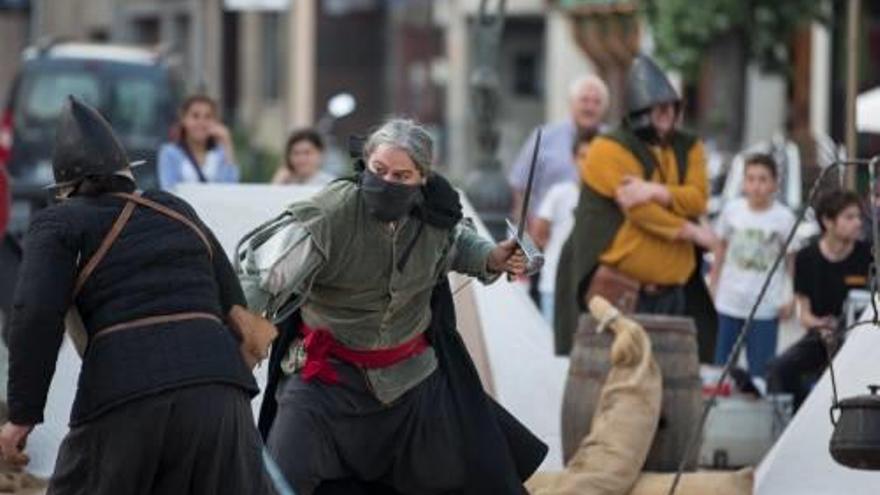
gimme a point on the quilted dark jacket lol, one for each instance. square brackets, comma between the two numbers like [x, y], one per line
[157, 266]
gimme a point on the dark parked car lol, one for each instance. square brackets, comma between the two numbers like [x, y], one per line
[135, 88]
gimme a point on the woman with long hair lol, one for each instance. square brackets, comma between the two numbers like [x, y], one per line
[201, 149]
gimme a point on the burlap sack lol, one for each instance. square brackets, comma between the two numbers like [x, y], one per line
[609, 460]
[700, 483]
[19, 482]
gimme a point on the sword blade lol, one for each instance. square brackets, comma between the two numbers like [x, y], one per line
[528, 195]
[275, 475]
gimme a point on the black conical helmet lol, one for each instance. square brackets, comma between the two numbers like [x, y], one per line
[85, 145]
[647, 86]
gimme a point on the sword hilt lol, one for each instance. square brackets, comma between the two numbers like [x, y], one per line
[534, 256]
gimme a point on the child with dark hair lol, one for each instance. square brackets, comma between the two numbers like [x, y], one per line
[752, 230]
[303, 157]
[825, 272]
[553, 225]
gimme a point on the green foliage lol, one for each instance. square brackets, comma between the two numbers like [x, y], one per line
[684, 29]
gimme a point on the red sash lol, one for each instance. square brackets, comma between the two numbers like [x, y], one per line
[320, 345]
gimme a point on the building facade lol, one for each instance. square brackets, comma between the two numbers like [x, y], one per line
[275, 70]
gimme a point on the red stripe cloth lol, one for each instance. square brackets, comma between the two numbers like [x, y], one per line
[320, 345]
[4, 199]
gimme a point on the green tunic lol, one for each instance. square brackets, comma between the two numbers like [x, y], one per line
[341, 268]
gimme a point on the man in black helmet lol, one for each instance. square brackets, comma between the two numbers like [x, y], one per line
[163, 400]
[644, 185]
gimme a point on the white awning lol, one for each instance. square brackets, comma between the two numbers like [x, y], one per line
[868, 111]
[263, 5]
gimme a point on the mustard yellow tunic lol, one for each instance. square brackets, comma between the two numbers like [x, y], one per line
[645, 247]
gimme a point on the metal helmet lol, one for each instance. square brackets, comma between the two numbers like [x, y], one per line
[647, 86]
[85, 145]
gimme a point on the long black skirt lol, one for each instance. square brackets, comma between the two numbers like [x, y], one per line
[194, 440]
[334, 432]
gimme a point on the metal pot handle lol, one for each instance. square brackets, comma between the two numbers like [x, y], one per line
[831, 413]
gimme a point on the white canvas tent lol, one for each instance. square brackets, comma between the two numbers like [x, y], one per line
[799, 462]
[510, 341]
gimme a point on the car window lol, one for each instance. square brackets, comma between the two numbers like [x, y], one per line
[132, 102]
[134, 106]
[44, 94]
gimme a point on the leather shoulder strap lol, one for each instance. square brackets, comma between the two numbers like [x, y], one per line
[171, 214]
[106, 243]
[682, 142]
[193, 162]
[628, 140]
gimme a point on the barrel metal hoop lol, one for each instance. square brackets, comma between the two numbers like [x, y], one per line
[687, 382]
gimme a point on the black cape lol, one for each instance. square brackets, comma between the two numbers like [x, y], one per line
[501, 452]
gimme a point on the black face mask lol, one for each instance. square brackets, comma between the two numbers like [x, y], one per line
[388, 201]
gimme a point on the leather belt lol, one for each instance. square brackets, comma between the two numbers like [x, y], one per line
[657, 289]
[156, 320]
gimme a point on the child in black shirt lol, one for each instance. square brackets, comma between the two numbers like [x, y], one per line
[825, 272]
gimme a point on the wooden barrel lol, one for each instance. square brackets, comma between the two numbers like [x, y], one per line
[674, 342]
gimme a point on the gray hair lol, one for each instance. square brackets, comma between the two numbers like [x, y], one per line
[586, 81]
[405, 135]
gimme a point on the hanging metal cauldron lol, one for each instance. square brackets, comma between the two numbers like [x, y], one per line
[856, 439]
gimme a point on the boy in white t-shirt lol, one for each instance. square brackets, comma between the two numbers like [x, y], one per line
[752, 230]
[553, 225]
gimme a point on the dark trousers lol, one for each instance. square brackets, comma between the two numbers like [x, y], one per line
[760, 343]
[194, 440]
[794, 371]
[667, 301]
